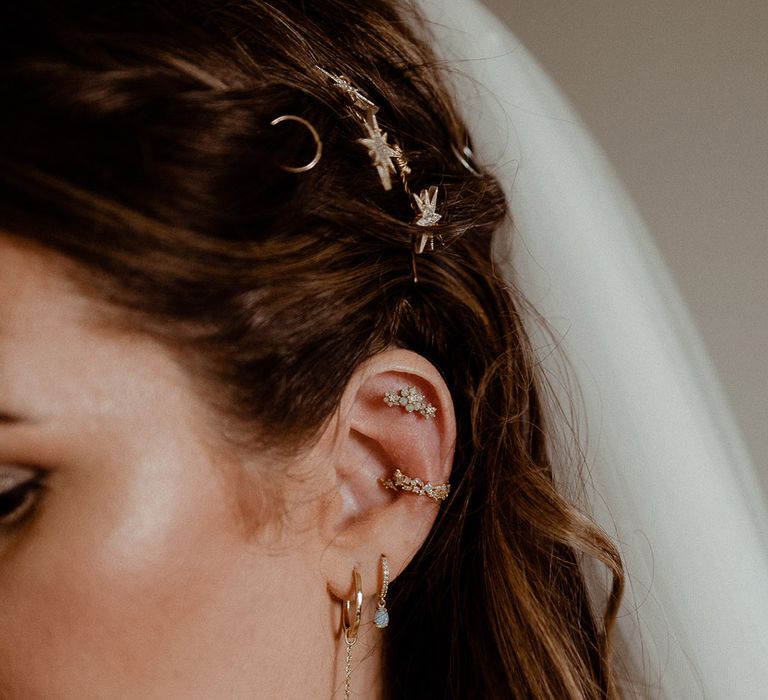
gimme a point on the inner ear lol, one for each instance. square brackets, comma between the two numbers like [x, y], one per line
[362, 463]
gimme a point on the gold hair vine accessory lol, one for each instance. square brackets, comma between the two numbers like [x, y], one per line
[406, 483]
[389, 159]
[412, 400]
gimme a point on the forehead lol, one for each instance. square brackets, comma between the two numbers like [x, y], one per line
[54, 359]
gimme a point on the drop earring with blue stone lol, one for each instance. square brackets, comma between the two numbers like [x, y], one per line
[381, 618]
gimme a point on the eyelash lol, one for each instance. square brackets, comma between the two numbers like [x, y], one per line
[18, 502]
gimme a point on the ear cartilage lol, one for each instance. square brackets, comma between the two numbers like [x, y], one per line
[412, 400]
[407, 483]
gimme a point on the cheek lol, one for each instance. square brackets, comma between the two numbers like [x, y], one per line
[112, 590]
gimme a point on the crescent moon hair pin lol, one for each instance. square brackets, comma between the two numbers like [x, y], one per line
[315, 136]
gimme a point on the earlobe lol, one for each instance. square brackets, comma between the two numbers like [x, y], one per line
[395, 433]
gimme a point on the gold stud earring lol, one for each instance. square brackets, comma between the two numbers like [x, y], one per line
[351, 610]
[381, 618]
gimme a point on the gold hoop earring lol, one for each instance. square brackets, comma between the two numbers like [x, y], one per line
[315, 136]
[351, 611]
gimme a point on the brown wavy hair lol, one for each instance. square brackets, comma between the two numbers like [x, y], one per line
[136, 141]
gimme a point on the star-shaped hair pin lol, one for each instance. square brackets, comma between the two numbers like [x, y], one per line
[380, 151]
[426, 201]
[356, 96]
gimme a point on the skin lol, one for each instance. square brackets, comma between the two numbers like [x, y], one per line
[157, 562]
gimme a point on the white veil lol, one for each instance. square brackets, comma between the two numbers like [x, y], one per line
[671, 480]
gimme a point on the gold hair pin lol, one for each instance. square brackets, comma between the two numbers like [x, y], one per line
[315, 137]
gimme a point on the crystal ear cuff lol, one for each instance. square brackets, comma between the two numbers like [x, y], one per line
[404, 482]
[412, 400]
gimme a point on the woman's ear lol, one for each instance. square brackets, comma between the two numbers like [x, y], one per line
[371, 440]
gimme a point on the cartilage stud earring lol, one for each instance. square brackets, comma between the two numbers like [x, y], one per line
[412, 400]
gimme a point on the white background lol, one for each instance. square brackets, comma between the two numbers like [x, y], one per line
[676, 93]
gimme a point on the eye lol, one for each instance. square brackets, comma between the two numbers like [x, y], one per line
[19, 492]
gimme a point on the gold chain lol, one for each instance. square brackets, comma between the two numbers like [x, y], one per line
[348, 667]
